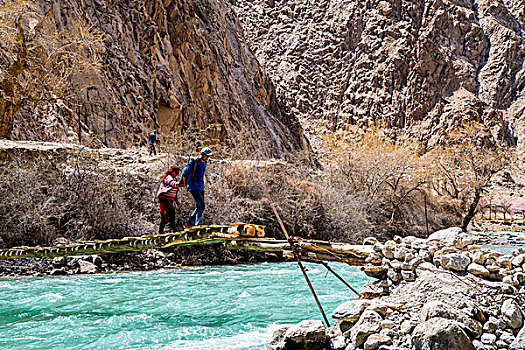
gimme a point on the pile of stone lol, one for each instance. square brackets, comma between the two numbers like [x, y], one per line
[452, 250]
[441, 293]
[437, 324]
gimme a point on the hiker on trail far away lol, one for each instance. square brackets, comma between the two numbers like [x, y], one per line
[193, 178]
[166, 195]
[152, 139]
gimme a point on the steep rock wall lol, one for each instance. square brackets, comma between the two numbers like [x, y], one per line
[407, 65]
[180, 66]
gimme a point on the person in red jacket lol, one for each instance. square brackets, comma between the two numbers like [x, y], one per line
[167, 194]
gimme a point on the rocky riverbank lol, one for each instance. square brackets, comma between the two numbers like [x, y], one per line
[440, 293]
[131, 261]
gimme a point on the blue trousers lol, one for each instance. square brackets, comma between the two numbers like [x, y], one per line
[152, 148]
[196, 216]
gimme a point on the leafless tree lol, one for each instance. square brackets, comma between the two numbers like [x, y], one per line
[464, 169]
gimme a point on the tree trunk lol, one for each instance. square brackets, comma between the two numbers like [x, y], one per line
[7, 118]
[392, 216]
[471, 210]
[8, 108]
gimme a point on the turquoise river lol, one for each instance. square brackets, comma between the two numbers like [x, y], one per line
[225, 307]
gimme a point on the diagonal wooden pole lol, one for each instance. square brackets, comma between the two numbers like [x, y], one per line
[292, 246]
[340, 278]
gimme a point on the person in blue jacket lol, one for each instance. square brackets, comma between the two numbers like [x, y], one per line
[152, 139]
[193, 179]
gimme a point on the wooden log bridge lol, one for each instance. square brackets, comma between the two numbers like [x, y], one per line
[237, 236]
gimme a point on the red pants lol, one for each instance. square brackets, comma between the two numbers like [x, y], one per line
[167, 214]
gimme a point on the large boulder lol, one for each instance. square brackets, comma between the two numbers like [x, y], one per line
[455, 262]
[440, 334]
[306, 335]
[478, 257]
[86, 267]
[511, 313]
[519, 342]
[478, 270]
[436, 308]
[59, 261]
[453, 236]
[388, 249]
[58, 272]
[378, 306]
[507, 337]
[492, 325]
[350, 310]
[372, 290]
[375, 341]
[278, 337]
[488, 339]
[369, 323]
[504, 262]
[338, 343]
[518, 261]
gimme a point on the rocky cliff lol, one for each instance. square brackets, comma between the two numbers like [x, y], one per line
[421, 67]
[180, 66]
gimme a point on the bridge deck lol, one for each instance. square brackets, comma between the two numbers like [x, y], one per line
[237, 236]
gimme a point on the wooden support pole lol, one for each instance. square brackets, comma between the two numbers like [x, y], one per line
[292, 246]
[340, 278]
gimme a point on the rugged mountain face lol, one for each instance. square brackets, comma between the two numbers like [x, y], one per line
[177, 65]
[419, 66]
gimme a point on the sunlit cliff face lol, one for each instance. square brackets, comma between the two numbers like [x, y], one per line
[182, 68]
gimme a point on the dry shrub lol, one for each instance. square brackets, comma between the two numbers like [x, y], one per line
[366, 186]
[235, 193]
[43, 65]
[43, 199]
[299, 202]
[376, 186]
[241, 179]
